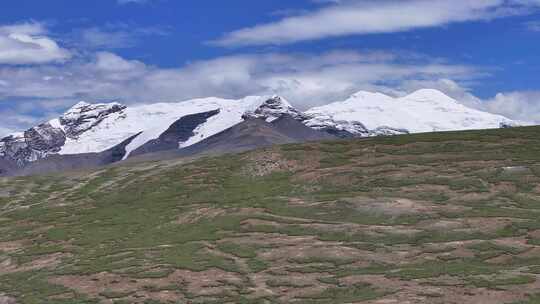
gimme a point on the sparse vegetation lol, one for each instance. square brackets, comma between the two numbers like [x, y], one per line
[421, 217]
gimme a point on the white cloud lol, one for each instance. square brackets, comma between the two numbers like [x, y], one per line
[27, 43]
[5, 131]
[306, 79]
[356, 17]
[523, 106]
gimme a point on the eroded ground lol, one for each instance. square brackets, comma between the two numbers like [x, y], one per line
[431, 218]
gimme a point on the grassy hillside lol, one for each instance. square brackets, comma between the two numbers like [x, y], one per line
[429, 218]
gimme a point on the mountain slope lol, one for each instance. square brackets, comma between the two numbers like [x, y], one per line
[426, 218]
[256, 133]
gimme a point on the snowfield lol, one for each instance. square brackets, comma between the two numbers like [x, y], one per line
[422, 111]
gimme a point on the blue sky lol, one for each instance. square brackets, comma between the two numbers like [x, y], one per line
[54, 53]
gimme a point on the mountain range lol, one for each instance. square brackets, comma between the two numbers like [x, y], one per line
[90, 135]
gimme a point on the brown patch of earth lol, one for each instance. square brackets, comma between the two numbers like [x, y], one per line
[418, 292]
[204, 283]
[44, 262]
[9, 247]
[398, 206]
[4, 299]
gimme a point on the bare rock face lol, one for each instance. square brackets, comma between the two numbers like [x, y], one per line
[347, 129]
[84, 116]
[33, 144]
[16, 149]
[387, 131]
[273, 109]
[45, 138]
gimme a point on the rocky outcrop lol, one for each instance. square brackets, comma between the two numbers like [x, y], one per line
[342, 129]
[348, 129]
[48, 138]
[84, 116]
[387, 131]
[274, 108]
[15, 148]
[33, 144]
[45, 138]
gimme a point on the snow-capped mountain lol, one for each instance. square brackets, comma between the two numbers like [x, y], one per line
[93, 128]
[425, 110]
[128, 131]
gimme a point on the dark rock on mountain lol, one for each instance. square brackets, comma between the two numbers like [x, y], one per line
[273, 108]
[33, 144]
[342, 130]
[84, 116]
[14, 148]
[255, 133]
[296, 130]
[60, 163]
[387, 131]
[250, 134]
[45, 138]
[178, 132]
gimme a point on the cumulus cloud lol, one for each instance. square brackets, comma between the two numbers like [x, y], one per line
[28, 43]
[354, 17]
[523, 106]
[306, 79]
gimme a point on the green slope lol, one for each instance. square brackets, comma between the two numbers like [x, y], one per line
[428, 218]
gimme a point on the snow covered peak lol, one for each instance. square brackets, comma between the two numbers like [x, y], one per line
[422, 111]
[78, 106]
[430, 95]
[273, 108]
[83, 116]
[88, 109]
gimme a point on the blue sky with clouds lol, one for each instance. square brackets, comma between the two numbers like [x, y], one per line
[54, 53]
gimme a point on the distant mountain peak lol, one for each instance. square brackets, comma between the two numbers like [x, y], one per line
[426, 110]
[274, 108]
[84, 116]
[430, 95]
